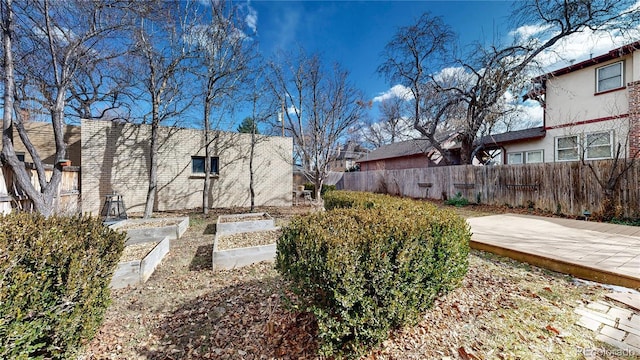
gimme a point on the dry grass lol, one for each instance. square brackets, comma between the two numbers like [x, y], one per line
[503, 310]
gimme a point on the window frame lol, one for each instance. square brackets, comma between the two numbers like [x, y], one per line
[515, 153]
[587, 146]
[541, 151]
[215, 165]
[557, 149]
[620, 64]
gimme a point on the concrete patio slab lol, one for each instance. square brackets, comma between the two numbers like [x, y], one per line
[606, 255]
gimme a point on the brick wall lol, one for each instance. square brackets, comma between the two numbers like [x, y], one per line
[115, 158]
[634, 119]
[41, 135]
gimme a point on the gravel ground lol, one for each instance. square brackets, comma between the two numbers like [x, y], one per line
[503, 310]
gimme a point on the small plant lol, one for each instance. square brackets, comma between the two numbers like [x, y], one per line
[531, 205]
[457, 201]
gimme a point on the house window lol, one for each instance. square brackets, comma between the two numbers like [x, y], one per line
[20, 155]
[609, 77]
[514, 158]
[567, 148]
[197, 164]
[598, 145]
[534, 156]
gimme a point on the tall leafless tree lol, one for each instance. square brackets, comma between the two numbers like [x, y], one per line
[320, 105]
[224, 50]
[51, 43]
[391, 126]
[161, 52]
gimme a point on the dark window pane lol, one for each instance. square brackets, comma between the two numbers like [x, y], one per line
[197, 165]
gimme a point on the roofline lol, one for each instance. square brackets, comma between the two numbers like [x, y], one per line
[611, 55]
[392, 157]
[540, 135]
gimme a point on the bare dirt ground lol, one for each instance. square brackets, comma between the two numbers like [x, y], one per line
[503, 310]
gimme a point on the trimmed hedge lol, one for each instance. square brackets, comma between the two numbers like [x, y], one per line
[353, 199]
[54, 283]
[372, 268]
[325, 189]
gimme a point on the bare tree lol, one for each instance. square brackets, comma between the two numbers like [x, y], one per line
[491, 72]
[224, 50]
[261, 111]
[391, 126]
[320, 106]
[161, 52]
[53, 42]
[411, 58]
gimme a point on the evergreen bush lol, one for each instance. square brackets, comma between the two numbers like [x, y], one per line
[54, 283]
[365, 270]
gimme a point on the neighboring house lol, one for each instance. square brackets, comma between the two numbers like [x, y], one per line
[115, 157]
[416, 153]
[590, 108]
[41, 136]
[346, 157]
[523, 145]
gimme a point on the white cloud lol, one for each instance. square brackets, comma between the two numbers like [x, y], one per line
[291, 110]
[529, 31]
[397, 91]
[252, 19]
[582, 46]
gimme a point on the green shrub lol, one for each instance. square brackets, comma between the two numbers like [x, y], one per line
[54, 283]
[367, 270]
[325, 189]
[363, 200]
[457, 201]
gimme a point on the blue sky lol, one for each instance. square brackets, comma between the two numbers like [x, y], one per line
[354, 33]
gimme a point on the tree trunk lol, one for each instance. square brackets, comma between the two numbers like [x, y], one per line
[251, 152]
[153, 164]
[466, 149]
[42, 201]
[207, 160]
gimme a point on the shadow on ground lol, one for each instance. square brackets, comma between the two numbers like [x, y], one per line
[210, 229]
[246, 320]
[202, 259]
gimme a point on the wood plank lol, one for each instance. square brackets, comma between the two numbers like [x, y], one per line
[631, 300]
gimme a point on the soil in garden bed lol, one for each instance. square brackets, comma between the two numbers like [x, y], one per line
[149, 224]
[247, 239]
[137, 251]
[244, 218]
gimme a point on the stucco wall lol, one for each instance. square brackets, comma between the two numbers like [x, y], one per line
[115, 158]
[620, 128]
[572, 97]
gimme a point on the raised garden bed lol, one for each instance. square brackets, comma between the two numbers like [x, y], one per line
[142, 230]
[247, 239]
[139, 261]
[244, 239]
[238, 223]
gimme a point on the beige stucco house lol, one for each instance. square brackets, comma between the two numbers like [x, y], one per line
[589, 108]
[115, 158]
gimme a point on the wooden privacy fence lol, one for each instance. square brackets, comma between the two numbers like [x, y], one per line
[567, 187]
[12, 197]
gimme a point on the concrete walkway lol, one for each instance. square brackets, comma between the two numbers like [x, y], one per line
[601, 252]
